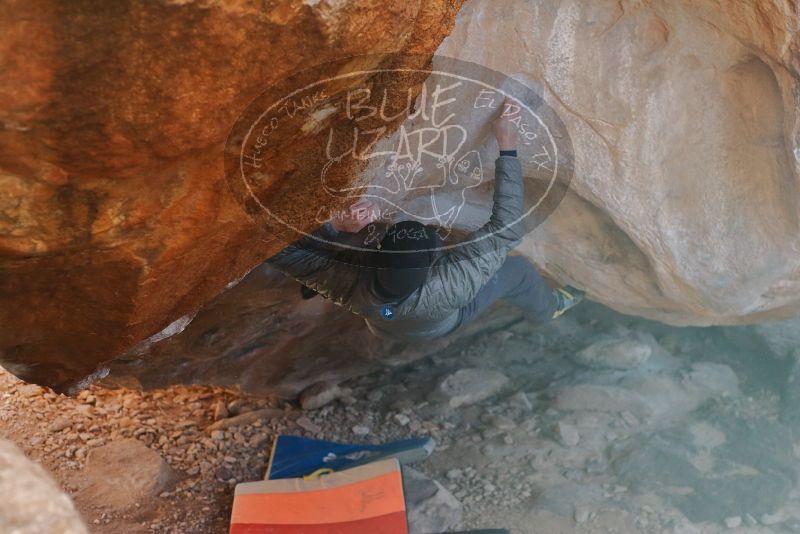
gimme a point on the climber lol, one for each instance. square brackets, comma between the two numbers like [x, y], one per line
[412, 288]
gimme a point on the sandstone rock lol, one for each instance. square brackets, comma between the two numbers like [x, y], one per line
[468, 386]
[614, 354]
[121, 474]
[686, 132]
[31, 502]
[430, 507]
[122, 229]
[683, 205]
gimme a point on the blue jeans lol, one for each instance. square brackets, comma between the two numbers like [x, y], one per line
[519, 283]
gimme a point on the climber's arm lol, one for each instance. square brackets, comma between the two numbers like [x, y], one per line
[465, 269]
[460, 273]
[315, 260]
[308, 256]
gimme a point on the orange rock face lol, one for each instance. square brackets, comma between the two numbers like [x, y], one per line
[115, 218]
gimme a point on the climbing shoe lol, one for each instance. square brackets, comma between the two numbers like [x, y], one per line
[566, 298]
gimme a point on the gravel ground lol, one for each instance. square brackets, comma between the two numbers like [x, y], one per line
[595, 423]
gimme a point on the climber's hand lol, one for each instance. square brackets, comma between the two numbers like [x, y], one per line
[504, 130]
[357, 216]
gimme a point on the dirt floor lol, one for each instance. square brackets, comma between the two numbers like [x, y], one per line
[594, 423]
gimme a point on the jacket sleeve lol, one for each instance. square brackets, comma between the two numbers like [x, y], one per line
[462, 271]
[312, 262]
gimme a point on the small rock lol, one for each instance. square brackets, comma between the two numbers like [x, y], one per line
[733, 522]
[600, 398]
[235, 407]
[361, 430]
[307, 424]
[455, 474]
[321, 394]
[567, 434]
[402, 419]
[502, 422]
[581, 514]
[218, 435]
[614, 354]
[221, 411]
[629, 418]
[125, 422]
[258, 441]
[29, 390]
[60, 423]
[771, 519]
[430, 507]
[521, 401]
[127, 464]
[375, 395]
[247, 418]
[348, 400]
[468, 386]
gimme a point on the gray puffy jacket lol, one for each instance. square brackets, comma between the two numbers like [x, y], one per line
[453, 280]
